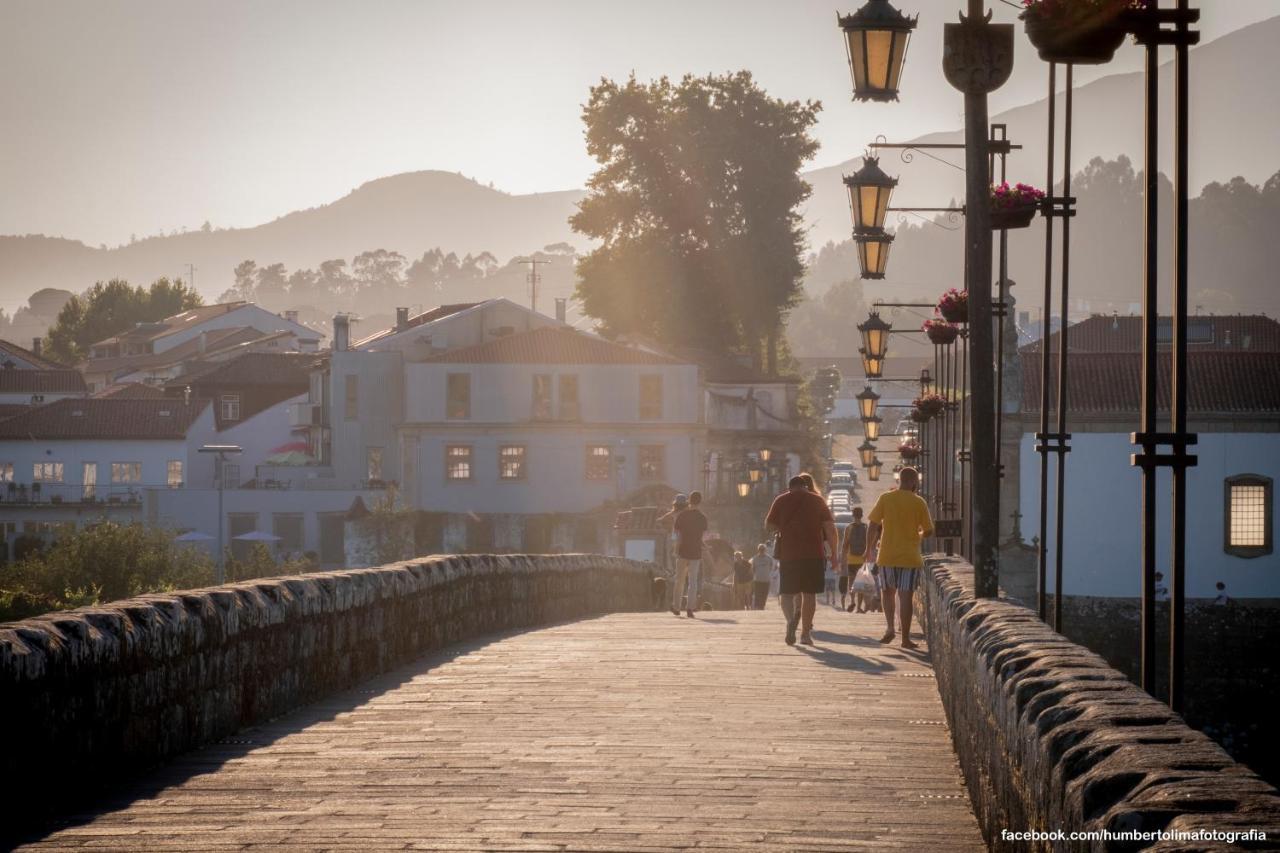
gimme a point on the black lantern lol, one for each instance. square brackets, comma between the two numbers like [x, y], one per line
[744, 489]
[765, 453]
[868, 400]
[873, 253]
[873, 368]
[869, 191]
[754, 474]
[876, 42]
[873, 470]
[867, 453]
[875, 336]
[871, 427]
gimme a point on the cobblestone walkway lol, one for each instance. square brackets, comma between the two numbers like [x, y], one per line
[631, 732]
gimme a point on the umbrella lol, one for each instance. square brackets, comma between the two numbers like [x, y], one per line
[256, 536]
[193, 536]
[292, 457]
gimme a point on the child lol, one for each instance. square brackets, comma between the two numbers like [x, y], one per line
[830, 579]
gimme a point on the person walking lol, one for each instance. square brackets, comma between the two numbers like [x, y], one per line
[690, 525]
[762, 570]
[899, 521]
[742, 580]
[855, 544]
[806, 544]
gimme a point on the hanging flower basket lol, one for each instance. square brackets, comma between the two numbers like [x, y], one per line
[954, 306]
[920, 417]
[930, 405]
[1080, 32]
[908, 452]
[1014, 206]
[941, 332]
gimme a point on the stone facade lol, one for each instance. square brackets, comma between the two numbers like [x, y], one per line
[1051, 737]
[105, 691]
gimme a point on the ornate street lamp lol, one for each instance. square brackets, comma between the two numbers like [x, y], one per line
[765, 453]
[873, 253]
[867, 453]
[876, 42]
[873, 368]
[869, 191]
[871, 427]
[873, 470]
[754, 474]
[744, 489]
[867, 402]
[875, 336]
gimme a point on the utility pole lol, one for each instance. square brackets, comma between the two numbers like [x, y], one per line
[191, 276]
[534, 278]
[977, 59]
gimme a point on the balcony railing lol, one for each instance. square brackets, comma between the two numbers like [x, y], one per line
[71, 494]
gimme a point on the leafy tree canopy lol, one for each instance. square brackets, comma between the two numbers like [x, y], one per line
[695, 207]
[111, 308]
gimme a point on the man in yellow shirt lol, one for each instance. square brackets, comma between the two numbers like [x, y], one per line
[899, 520]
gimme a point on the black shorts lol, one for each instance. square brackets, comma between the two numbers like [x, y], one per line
[844, 584]
[802, 576]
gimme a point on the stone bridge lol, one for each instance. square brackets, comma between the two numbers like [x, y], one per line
[544, 704]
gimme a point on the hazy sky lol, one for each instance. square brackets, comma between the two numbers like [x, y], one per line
[136, 117]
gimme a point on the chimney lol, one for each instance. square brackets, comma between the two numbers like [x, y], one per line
[402, 319]
[341, 332]
[36, 344]
[204, 342]
[291, 316]
[562, 309]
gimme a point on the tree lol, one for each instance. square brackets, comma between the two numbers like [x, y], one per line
[826, 324]
[823, 388]
[111, 308]
[695, 207]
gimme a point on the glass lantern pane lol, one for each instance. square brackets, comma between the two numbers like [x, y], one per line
[882, 205]
[899, 53]
[869, 208]
[879, 53]
[858, 60]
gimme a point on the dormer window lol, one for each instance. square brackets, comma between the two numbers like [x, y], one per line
[230, 407]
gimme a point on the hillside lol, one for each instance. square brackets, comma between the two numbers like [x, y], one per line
[415, 211]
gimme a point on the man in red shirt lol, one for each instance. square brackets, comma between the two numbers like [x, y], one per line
[807, 541]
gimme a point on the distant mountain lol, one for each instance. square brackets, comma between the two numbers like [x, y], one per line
[409, 213]
[1234, 132]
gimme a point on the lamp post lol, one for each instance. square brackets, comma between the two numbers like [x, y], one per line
[875, 336]
[869, 192]
[221, 451]
[866, 453]
[876, 39]
[873, 254]
[873, 470]
[871, 428]
[868, 401]
[872, 368]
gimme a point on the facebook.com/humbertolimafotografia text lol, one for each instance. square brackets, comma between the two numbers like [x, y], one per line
[1228, 836]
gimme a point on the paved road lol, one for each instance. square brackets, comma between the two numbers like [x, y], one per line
[631, 732]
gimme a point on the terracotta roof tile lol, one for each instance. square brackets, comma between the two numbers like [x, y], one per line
[176, 323]
[251, 368]
[437, 313]
[551, 345]
[1102, 333]
[130, 390]
[1111, 383]
[61, 381]
[38, 361]
[104, 418]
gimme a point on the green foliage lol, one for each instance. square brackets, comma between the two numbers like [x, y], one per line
[387, 532]
[695, 208]
[103, 562]
[827, 324]
[261, 563]
[111, 308]
[822, 390]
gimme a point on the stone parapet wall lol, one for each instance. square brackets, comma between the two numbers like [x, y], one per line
[1050, 737]
[89, 695]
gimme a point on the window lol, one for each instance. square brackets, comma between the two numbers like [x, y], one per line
[511, 461]
[351, 397]
[173, 476]
[90, 471]
[458, 399]
[651, 398]
[599, 462]
[230, 475]
[6, 472]
[288, 526]
[373, 459]
[653, 462]
[126, 472]
[541, 397]
[569, 409]
[230, 407]
[457, 462]
[1247, 531]
[47, 472]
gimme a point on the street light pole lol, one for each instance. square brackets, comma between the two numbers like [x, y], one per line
[977, 60]
[221, 451]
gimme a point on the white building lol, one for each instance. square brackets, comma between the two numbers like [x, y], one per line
[1234, 409]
